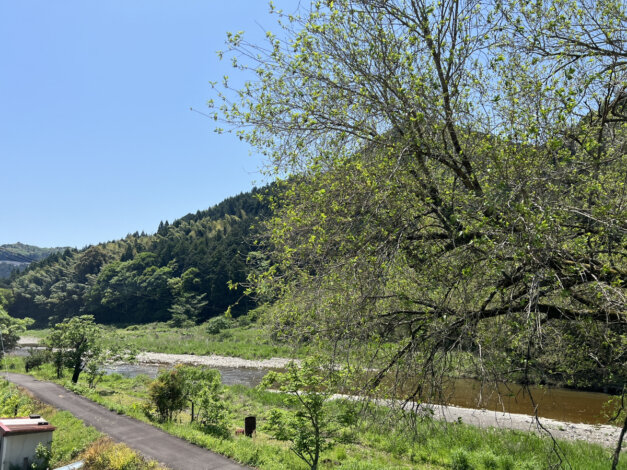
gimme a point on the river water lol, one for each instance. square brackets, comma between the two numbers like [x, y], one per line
[230, 375]
[552, 402]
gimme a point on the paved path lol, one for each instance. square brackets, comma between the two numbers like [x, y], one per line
[155, 444]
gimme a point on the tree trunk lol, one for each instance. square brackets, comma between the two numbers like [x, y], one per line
[314, 465]
[77, 372]
[58, 363]
[619, 445]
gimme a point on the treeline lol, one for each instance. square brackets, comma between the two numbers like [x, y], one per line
[179, 274]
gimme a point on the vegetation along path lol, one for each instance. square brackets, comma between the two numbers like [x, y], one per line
[150, 441]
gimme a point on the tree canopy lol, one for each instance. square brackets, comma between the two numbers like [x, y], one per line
[454, 179]
[74, 343]
[10, 329]
[180, 273]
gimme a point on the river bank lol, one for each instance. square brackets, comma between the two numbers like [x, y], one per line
[605, 435]
[378, 440]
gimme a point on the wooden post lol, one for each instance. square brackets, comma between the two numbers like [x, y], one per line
[250, 425]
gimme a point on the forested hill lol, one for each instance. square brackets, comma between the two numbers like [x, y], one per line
[179, 274]
[18, 256]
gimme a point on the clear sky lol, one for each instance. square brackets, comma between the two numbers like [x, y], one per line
[97, 139]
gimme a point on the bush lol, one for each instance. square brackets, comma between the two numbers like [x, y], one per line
[43, 455]
[311, 428]
[489, 461]
[35, 359]
[106, 455]
[198, 382]
[460, 460]
[167, 394]
[12, 402]
[204, 388]
[244, 320]
[217, 324]
[507, 462]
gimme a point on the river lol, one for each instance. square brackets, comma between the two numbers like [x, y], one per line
[556, 403]
[552, 402]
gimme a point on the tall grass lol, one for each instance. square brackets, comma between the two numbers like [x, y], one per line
[248, 341]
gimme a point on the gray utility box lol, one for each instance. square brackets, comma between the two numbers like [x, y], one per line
[19, 438]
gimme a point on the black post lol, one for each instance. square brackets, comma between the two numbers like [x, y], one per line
[250, 425]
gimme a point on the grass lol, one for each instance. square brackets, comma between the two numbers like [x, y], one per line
[72, 439]
[104, 454]
[241, 339]
[379, 441]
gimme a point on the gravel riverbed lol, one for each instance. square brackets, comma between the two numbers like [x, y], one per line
[213, 360]
[605, 435]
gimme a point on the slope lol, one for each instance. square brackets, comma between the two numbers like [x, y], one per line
[180, 273]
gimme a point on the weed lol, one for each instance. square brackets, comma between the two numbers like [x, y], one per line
[460, 460]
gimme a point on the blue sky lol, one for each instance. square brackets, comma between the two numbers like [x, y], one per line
[97, 139]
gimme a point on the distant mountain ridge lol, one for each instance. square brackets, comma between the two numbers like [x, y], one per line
[17, 256]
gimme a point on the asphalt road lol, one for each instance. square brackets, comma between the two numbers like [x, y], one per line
[153, 443]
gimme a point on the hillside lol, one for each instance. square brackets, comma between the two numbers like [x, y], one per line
[180, 273]
[17, 256]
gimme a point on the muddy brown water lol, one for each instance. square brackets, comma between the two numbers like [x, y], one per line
[552, 402]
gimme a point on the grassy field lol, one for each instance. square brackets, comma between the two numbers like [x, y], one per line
[238, 339]
[379, 440]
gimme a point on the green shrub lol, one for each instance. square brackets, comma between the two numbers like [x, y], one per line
[43, 455]
[460, 460]
[213, 414]
[12, 402]
[167, 394]
[35, 359]
[106, 455]
[528, 465]
[244, 320]
[311, 428]
[217, 324]
[489, 461]
[507, 462]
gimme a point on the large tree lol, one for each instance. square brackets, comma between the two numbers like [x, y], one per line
[454, 179]
[74, 343]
